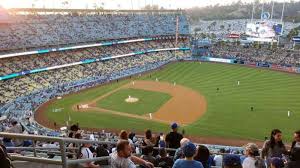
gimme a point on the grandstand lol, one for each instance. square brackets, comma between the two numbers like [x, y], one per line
[47, 55]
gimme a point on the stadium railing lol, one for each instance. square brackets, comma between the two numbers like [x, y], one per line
[64, 162]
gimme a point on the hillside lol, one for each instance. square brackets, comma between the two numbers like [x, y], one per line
[240, 10]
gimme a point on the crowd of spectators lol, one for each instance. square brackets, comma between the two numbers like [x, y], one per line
[221, 28]
[27, 31]
[126, 149]
[251, 53]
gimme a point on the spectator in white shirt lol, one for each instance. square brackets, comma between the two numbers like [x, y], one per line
[251, 160]
[85, 153]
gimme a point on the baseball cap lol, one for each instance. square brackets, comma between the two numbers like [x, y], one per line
[189, 149]
[174, 125]
[277, 162]
[231, 160]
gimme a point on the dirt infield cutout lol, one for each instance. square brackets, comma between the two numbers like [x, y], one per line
[185, 107]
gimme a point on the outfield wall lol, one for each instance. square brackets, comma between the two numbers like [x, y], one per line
[277, 67]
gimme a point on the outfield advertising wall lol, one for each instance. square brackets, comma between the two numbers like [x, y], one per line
[254, 64]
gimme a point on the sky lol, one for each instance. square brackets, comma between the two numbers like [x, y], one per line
[118, 4]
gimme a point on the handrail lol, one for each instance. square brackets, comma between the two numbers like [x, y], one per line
[88, 160]
[62, 147]
[35, 159]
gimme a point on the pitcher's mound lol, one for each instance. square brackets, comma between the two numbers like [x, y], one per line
[131, 99]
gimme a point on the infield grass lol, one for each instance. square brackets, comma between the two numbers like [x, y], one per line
[149, 101]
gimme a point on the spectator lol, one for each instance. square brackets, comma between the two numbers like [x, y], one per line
[124, 136]
[189, 150]
[101, 150]
[218, 159]
[123, 158]
[85, 153]
[160, 141]
[203, 156]
[148, 154]
[295, 152]
[17, 129]
[232, 161]
[74, 145]
[179, 152]
[148, 140]
[277, 162]
[5, 160]
[273, 147]
[173, 138]
[163, 160]
[251, 152]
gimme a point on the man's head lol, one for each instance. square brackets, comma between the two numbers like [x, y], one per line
[232, 161]
[189, 150]
[174, 127]
[184, 141]
[297, 136]
[124, 149]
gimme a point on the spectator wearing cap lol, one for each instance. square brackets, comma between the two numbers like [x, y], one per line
[123, 158]
[189, 150]
[232, 161]
[251, 152]
[179, 151]
[173, 138]
[277, 162]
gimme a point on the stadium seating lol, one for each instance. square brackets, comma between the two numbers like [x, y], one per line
[28, 31]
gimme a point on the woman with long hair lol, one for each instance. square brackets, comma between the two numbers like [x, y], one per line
[203, 156]
[274, 147]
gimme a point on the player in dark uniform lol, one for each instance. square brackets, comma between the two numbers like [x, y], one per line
[252, 108]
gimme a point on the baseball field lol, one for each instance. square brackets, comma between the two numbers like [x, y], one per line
[206, 99]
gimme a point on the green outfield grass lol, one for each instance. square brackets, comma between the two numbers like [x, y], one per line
[149, 101]
[228, 113]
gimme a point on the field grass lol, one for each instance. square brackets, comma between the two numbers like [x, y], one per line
[228, 113]
[149, 101]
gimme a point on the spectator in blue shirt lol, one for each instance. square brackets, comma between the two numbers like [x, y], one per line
[189, 151]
